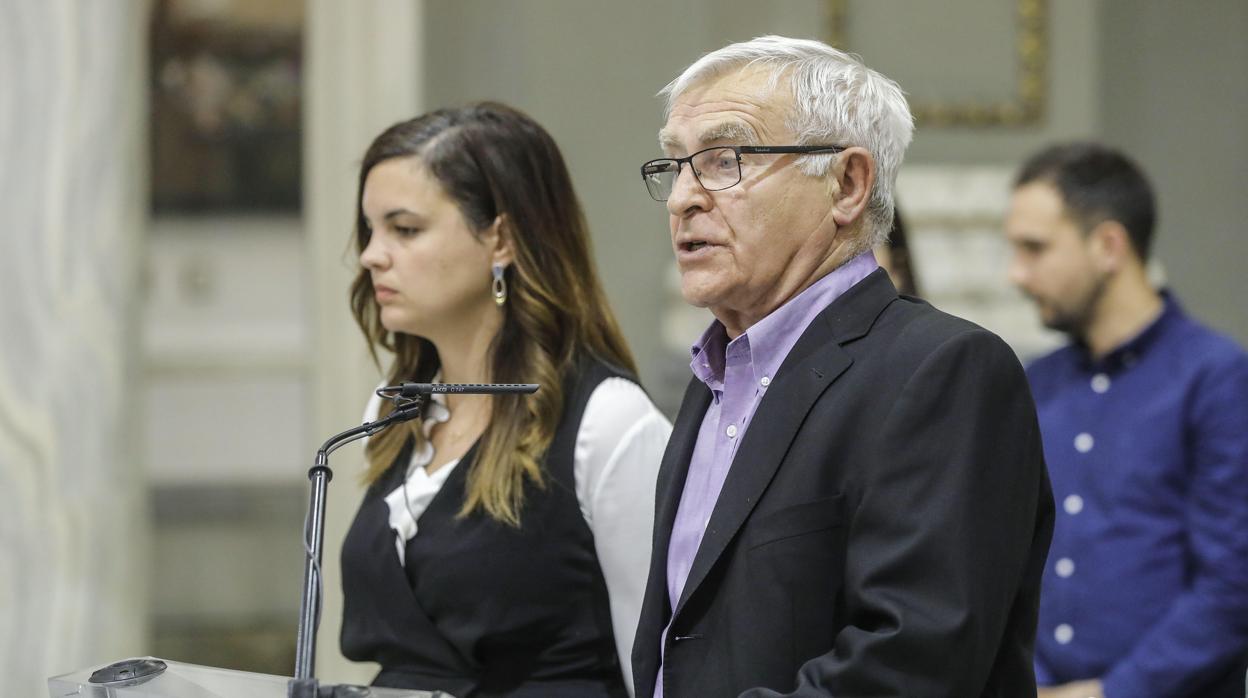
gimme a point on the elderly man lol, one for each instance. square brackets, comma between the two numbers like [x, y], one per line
[853, 501]
[1145, 424]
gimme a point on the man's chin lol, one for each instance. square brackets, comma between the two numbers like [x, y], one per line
[1060, 323]
[697, 296]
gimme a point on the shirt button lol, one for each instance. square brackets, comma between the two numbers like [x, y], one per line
[1100, 383]
[731, 431]
[1073, 504]
[1063, 634]
[1065, 567]
[764, 381]
[1083, 442]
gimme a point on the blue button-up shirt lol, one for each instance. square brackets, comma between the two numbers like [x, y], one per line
[1146, 585]
[737, 373]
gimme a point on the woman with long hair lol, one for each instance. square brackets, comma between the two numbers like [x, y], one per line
[503, 541]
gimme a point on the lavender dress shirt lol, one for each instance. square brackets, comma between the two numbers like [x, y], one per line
[738, 373]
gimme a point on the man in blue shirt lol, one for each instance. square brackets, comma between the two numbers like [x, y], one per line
[1144, 417]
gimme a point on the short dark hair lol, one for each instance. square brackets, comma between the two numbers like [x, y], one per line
[1097, 183]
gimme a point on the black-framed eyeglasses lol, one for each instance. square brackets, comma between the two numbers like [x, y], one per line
[715, 168]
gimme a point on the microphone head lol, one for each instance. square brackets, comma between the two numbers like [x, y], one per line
[481, 388]
[419, 389]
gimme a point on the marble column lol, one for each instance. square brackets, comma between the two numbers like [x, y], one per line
[72, 543]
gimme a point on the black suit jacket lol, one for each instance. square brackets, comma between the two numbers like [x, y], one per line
[883, 526]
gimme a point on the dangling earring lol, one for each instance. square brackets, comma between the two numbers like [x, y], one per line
[499, 286]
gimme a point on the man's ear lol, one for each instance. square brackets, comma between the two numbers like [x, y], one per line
[854, 171]
[498, 237]
[1111, 246]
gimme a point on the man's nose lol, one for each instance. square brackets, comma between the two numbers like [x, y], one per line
[688, 194]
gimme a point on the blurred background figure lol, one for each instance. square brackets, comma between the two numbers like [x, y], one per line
[897, 258]
[1145, 423]
[175, 341]
[499, 533]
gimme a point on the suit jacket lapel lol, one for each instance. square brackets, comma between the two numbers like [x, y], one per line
[675, 466]
[810, 368]
[676, 458]
[671, 484]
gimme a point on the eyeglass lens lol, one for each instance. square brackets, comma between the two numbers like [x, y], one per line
[715, 168]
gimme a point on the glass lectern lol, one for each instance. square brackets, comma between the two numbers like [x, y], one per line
[156, 678]
[148, 677]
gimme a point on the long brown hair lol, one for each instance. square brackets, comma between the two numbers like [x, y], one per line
[492, 161]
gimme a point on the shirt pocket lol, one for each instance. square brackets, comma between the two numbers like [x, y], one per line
[796, 520]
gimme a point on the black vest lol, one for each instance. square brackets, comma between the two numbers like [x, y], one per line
[483, 608]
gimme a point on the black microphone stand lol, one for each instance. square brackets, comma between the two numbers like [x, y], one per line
[304, 685]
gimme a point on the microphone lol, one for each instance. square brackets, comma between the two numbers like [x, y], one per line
[422, 389]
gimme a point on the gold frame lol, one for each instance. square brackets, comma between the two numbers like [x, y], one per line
[1025, 108]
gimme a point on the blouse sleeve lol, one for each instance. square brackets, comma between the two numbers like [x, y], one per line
[618, 449]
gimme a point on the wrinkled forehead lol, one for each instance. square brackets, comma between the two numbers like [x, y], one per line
[743, 106]
[729, 130]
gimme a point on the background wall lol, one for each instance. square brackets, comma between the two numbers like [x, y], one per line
[1175, 96]
[1143, 75]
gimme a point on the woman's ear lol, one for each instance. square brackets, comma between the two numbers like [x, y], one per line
[498, 237]
[854, 172]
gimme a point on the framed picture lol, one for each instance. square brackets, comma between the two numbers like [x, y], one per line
[225, 100]
[972, 63]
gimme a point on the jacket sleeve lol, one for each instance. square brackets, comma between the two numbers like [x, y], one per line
[944, 535]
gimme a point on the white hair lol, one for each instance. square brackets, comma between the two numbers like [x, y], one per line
[837, 100]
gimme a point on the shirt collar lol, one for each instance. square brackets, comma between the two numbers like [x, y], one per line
[1131, 350]
[769, 340]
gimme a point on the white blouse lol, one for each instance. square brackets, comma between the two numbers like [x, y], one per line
[616, 461]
